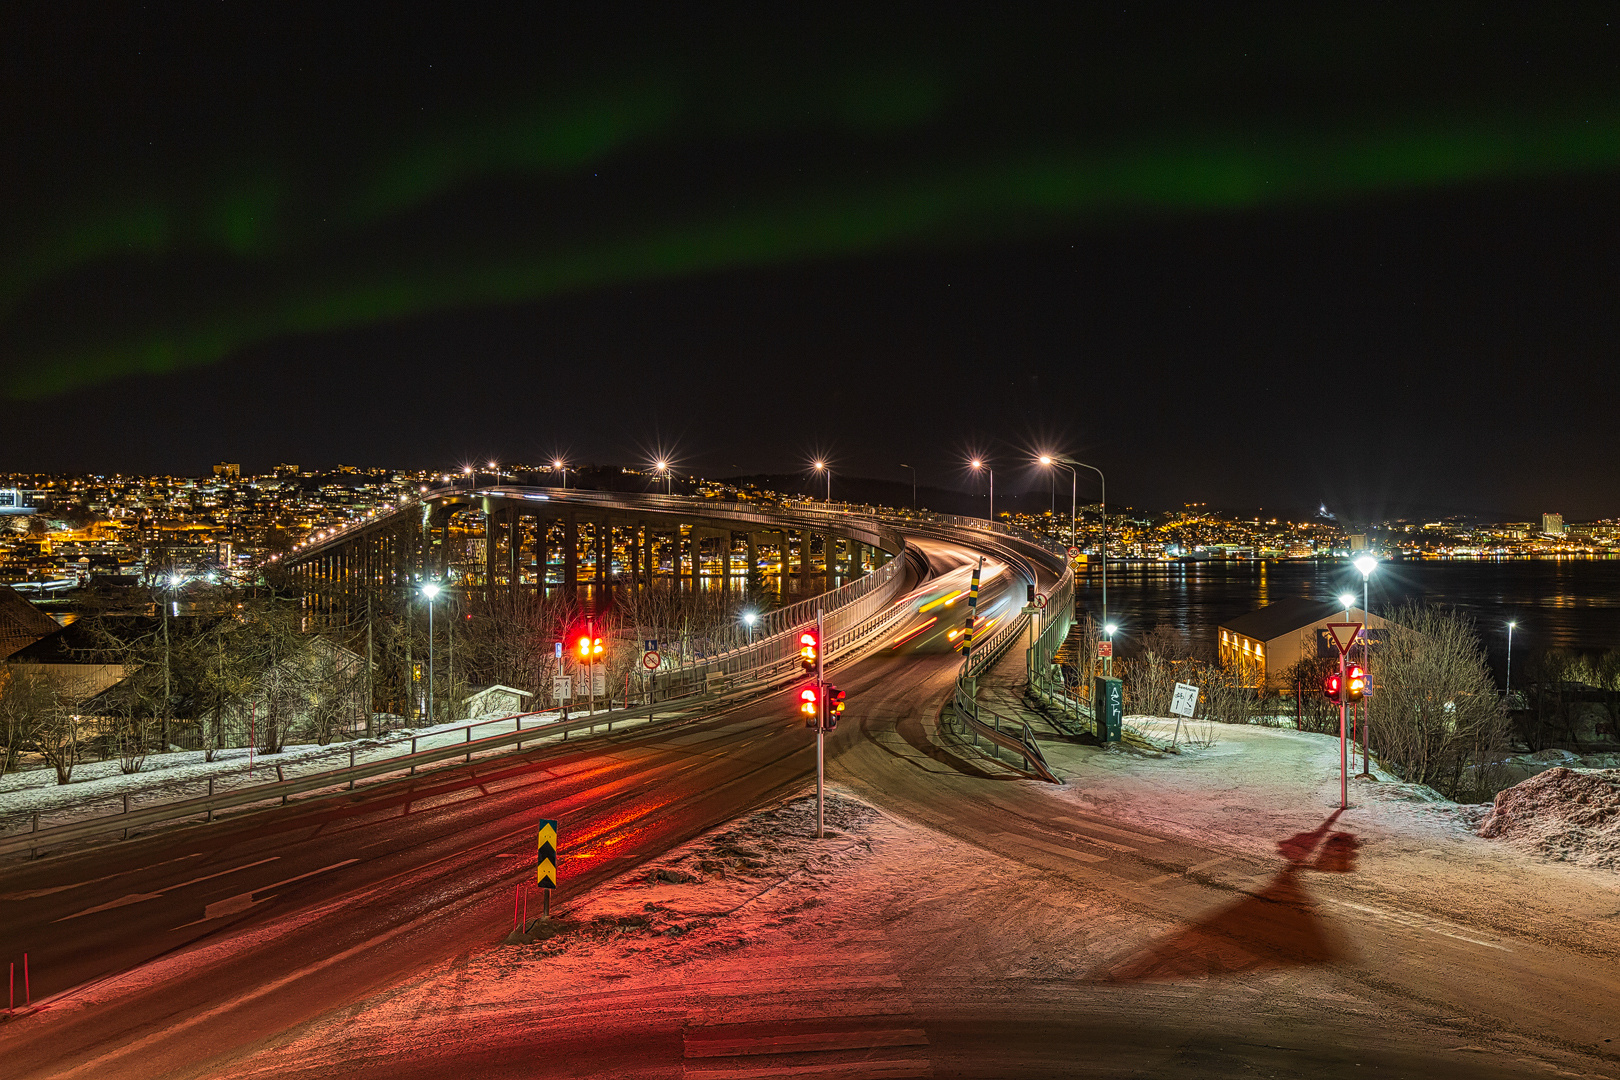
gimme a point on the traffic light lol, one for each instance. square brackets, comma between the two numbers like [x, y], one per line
[1332, 689]
[809, 650]
[809, 705]
[1355, 683]
[589, 649]
[835, 705]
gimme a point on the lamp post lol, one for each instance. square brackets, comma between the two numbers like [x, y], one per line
[559, 465]
[1366, 563]
[979, 464]
[1067, 462]
[663, 467]
[913, 485]
[821, 466]
[472, 477]
[1348, 600]
[1507, 692]
[1108, 661]
[430, 590]
[749, 619]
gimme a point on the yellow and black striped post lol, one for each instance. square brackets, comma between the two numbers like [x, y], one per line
[546, 865]
[973, 609]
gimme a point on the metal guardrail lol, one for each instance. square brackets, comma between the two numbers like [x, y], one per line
[970, 712]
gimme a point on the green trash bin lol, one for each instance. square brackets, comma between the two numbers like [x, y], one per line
[1108, 705]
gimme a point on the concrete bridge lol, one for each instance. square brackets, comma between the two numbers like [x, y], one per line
[512, 538]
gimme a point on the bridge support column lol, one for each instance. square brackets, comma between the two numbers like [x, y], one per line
[514, 540]
[753, 558]
[829, 558]
[601, 562]
[727, 541]
[804, 560]
[489, 547]
[570, 579]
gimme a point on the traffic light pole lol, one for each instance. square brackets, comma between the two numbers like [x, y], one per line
[821, 719]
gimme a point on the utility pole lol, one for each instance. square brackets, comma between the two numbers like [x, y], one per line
[371, 705]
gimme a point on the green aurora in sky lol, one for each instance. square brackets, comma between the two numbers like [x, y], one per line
[156, 274]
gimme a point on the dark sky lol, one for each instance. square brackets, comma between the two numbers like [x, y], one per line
[1273, 258]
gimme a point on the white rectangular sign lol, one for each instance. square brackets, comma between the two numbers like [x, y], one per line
[1185, 701]
[560, 687]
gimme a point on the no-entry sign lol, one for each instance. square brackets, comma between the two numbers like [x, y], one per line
[650, 660]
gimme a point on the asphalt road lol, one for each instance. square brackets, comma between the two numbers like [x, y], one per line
[173, 954]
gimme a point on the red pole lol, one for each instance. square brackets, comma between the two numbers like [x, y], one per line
[1344, 767]
[28, 995]
[11, 1002]
[525, 908]
[517, 892]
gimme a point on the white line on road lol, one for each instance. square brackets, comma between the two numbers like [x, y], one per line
[231, 905]
[1420, 923]
[34, 893]
[136, 898]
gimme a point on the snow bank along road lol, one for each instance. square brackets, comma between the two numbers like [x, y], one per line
[174, 954]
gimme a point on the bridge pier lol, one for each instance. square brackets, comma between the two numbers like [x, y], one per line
[570, 580]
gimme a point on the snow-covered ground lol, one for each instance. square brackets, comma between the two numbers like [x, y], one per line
[99, 787]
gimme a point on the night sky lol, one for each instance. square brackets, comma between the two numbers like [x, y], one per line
[1268, 256]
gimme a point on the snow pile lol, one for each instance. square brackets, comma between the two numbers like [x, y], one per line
[1566, 815]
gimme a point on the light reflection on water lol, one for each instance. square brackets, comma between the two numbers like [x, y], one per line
[1567, 603]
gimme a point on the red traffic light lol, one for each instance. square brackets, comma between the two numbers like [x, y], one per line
[808, 700]
[589, 649]
[1355, 683]
[835, 701]
[1331, 688]
[809, 650]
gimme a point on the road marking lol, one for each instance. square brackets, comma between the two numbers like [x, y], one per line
[136, 898]
[1110, 830]
[1162, 878]
[1012, 840]
[1419, 922]
[32, 894]
[792, 1044]
[851, 1070]
[233, 905]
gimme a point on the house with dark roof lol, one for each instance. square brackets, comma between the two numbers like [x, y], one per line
[1270, 640]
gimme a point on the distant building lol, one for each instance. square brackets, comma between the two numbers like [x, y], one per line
[228, 469]
[284, 470]
[1274, 638]
[1356, 541]
[21, 623]
[13, 501]
[1552, 524]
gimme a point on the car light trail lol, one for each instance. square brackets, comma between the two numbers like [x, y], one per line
[946, 599]
[915, 632]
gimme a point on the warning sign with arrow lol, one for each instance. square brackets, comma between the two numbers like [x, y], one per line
[546, 875]
[1344, 634]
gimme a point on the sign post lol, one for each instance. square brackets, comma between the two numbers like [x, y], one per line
[1183, 704]
[821, 719]
[545, 873]
[1344, 635]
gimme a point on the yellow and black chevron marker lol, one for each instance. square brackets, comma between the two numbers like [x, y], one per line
[546, 874]
[965, 643]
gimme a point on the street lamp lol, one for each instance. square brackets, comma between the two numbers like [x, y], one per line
[980, 464]
[821, 466]
[1108, 662]
[1507, 693]
[472, 480]
[663, 467]
[1074, 487]
[430, 590]
[1349, 601]
[1366, 563]
[913, 485]
[561, 466]
[749, 619]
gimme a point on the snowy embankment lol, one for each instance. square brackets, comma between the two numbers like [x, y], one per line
[99, 787]
[1563, 814]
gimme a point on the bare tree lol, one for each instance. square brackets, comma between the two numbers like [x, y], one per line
[24, 698]
[1435, 716]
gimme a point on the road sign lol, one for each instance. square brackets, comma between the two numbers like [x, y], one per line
[561, 688]
[650, 659]
[1185, 700]
[1040, 599]
[1344, 634]
[1105, 650]
[652, 646]
[599, 683]
[1074, 552]
[545, 873]
[559, 650]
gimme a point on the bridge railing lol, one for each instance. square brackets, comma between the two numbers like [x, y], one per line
[849, 613]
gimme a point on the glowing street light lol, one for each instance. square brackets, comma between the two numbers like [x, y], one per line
[559, 465]
[821, 466]
[1366, 562]
[430, 590]
[663, 467]
[1507, 692]
[978, 464]
[1349, 601]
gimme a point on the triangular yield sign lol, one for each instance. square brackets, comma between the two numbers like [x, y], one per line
[1344, 633]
